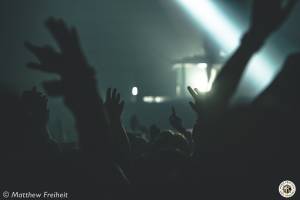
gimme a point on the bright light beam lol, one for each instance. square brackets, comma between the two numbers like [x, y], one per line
[260, 70]
[208, 15]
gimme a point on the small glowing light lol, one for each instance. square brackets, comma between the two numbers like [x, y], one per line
[148, 99]
[134, 91]
[158, 99]
[154, 99]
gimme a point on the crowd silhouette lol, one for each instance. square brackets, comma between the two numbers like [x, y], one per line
[240, 152]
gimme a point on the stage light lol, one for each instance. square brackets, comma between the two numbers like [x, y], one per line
[155, 99]
[148, 99]
[260, 70]
[158, 99]
[134, 91]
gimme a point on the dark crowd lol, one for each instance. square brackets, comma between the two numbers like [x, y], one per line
[232, 152]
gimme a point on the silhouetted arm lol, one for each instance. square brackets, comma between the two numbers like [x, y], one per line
[284, 84]
[114, 107]
[77, 85]
[266, 19]
[176, 123]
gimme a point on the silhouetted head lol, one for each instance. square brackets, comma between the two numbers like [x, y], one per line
[154, 131]
[35, 105]
[172, 141]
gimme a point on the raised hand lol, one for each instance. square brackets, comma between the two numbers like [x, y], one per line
[79, 89]
[197, 105]
[269, 16]
[266, 18]
[69, 62]
[77, 85]
[113, 104]
[114, 108]
[175, 121]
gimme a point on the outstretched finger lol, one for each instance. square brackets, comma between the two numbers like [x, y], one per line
[59, 31]
[36, 66]
[45, 54]
[198, 92]
[122, 105]
[118, 97]
[36, 50]
[108, 94]
[114, 93]
[192, 92]
[193, 106]
[75, 38]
